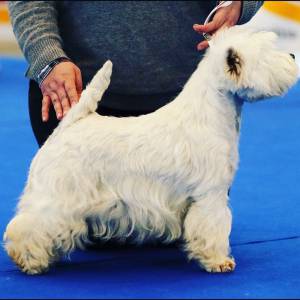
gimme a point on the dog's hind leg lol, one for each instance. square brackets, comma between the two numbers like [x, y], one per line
[34, 242]
[46, 228]
[207, 227]
[39, 234]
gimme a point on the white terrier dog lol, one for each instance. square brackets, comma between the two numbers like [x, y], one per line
[162, 176]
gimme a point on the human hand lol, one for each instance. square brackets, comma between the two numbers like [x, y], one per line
[62, 87]
[224, 17]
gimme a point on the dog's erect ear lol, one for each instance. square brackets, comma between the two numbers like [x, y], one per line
[234, 64]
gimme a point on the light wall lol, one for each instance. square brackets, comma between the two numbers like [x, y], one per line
[8, 43]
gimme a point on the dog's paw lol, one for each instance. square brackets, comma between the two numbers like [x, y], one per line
[24, 248]
[228, 265]
[25, 260]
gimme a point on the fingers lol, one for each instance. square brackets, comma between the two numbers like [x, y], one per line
[57, 105]
[58, 98]
[209, 27]
[71, 91]
[45, 108]
[224, 17]
[61, 88]
[78, 80]
[64, 100]
[203, 45]
[218, 20]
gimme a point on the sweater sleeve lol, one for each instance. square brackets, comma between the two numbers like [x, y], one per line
[36, 30]
[249, 9]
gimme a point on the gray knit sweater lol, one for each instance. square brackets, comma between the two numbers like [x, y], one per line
[151, 43]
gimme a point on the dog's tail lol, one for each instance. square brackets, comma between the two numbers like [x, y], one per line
[90, 97]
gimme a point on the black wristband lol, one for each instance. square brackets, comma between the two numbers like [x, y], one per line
[46, 70]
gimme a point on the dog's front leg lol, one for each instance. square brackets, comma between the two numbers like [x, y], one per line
[207, 227]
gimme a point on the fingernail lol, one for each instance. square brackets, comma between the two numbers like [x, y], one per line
[201, 46]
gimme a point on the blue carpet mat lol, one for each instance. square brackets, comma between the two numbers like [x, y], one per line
[264, 200]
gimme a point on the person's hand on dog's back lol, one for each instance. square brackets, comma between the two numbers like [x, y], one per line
[61, 88]
[224, 17]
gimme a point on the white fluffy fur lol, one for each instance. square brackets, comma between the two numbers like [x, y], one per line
[161, 176]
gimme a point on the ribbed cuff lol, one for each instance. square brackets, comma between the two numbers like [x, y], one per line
[45, 52]
[249, 9]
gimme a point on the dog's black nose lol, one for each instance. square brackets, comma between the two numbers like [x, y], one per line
[292, 55]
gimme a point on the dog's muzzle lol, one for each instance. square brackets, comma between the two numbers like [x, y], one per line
[292, 55]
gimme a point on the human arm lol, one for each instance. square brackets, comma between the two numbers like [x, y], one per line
[36, 29]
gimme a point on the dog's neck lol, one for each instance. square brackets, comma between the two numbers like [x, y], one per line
[202, 102]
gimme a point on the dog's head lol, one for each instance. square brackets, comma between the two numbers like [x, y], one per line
[252, 65]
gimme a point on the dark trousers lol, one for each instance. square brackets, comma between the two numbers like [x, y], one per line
[42, 130]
